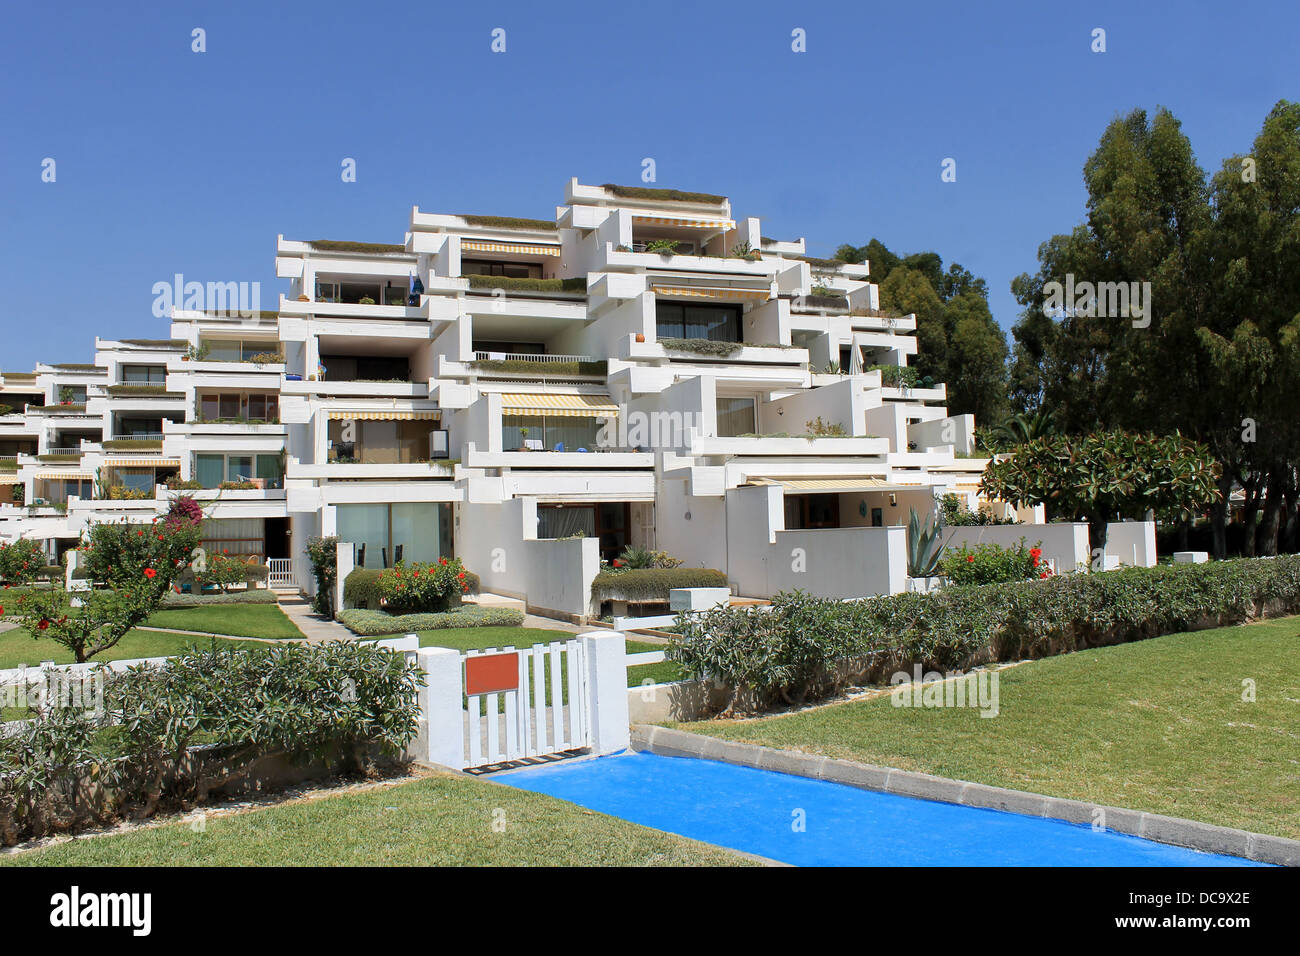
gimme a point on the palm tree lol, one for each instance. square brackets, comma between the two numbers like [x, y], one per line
[1021, 428]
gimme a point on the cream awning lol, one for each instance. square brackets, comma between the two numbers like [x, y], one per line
[712, 292]
[385, 416]
[521, 249]
[143, 463]
[847, 483]
[10, 480]
[61, 475]
[685, 223]
[549, 403]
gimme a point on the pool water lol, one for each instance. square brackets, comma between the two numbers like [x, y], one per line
[818, 823]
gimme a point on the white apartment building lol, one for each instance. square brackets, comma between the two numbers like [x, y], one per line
[530, 395]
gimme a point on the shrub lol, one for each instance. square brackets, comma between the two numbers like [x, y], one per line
[511, 284]
[21, 561]
[993, 564]
[952, 513]
[222, 572]
[251, 596]
[362, 589]
[339, 702]
[653, 584]
[636, 559]
[374, 623]
[324, 557]
[807, 645]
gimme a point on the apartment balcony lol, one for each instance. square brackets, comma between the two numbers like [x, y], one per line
[324, 308]
[327, 389]
[611, 259]
[905, 393]
[566, 460]
[443, 469]
[714, 353]
[210, 374]
[786, 446]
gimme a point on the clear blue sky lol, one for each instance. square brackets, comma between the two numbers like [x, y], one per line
[171, 161]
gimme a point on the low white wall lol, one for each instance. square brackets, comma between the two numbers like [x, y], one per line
[1133, 542]
[560, 573]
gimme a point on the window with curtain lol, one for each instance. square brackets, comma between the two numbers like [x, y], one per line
[676, 320]
[268, 468]
[209, 470]
[144, 374]
[573, 431]
[557, 522]
[421, 529]
[736, 417]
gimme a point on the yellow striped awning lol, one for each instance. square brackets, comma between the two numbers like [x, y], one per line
[385, 416]
[143, 463]
[712, 292]
[10, 480]
[550, 403]
[60, 475]
[685, 223]
[519, 249]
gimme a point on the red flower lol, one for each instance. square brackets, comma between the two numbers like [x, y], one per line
[139, 534]
[618, 563]
[149, 573]
[970, 559]
[1043, 575]
[2, 610]
[42, 625]
[461, 576]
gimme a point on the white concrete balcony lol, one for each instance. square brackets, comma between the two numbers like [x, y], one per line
[786, 446]
[570, 460]
[744, 355]
[296, 308]
[610, 259]
[412, 471]
[905, 393]
[189, 374]
[324, 389]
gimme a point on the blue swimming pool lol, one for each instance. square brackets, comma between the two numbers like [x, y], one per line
[757, 811]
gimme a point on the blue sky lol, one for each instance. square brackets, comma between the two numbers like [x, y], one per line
[173, 161]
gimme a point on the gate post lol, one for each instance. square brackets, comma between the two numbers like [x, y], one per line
[607, 691]
[442, 721]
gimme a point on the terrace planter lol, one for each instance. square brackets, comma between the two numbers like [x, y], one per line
[924, 585]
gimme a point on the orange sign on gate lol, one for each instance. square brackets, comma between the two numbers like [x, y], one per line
[491, 673]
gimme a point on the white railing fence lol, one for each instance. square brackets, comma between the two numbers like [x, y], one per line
[281, 572]
[528, 357]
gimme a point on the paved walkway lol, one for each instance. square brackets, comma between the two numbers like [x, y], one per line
[317, 629]
[488, 599]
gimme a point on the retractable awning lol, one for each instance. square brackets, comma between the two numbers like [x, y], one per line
[385, 416]
[10, 480]
[547, 403]
[143, 463]
[61, 475]
[712, 292]
[512, 248]
[848, 483]
[683, 222]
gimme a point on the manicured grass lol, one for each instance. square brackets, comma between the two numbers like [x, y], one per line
[439, 821]
[17, 647]
[1156, 725]
[240, 620]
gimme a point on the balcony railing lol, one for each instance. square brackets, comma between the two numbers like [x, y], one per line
[139, 436]
[62, 451]
[528, 357]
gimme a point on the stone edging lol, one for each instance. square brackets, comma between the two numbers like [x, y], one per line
[1149, 826]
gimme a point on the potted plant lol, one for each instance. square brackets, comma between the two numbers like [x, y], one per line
[640, 336]
[366, 300]
[523, 439]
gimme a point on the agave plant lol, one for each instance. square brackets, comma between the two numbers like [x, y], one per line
[924, 550]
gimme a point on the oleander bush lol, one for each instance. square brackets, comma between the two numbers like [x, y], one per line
[806, 647]
[993, 564]
[172, 734]
[370, 588]
[21, 561]
[652, 584]
[375, 623]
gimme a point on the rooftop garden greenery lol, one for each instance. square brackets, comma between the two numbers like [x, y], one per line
[717, 347]
[132, 444]
[128, 388]
[576, 285]
[509, 222]
[540, 368]
[339, 245]
[663, 195]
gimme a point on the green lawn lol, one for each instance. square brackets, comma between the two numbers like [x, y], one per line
[438, 821]
[1156, 725]
[17, 647]
[240, 620]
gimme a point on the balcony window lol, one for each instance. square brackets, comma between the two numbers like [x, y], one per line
[211, 470]
[144, 375]
[573, 432]
[384, 442]
[509, 270]
[366, 368]
[238, 405]
[736, 416]
[608, 521]
[71, 394]
[719, 323]
[421, 530]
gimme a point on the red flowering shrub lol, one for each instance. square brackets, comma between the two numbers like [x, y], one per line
[20, 561]
[991, 564]
[421, 588]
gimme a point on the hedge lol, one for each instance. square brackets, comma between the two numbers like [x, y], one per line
[201, 723]
[510, 222]
[807, 646]
[643, 584]
[251, 596]
[669, 195]
[540, 368]
[361, 587]
[374, 623]
[343, 245]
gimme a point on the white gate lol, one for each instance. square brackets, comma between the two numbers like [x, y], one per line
[526, 702]
[281, 572]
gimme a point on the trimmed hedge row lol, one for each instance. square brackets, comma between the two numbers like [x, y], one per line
[251, 596]
[653, 583]
[375, 623]
[361, 588]
[806, 646]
